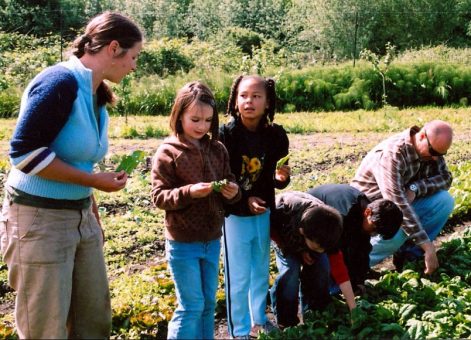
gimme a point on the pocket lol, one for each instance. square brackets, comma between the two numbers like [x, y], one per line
[38, 233]
[21, 219]
[3, 234]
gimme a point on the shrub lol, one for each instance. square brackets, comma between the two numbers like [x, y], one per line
[163, 57]
[214, 55]
[9, 103]
[245, 39]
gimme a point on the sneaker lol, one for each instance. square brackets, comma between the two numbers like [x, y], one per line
[373, 274]
[266, 328]
[398, 261]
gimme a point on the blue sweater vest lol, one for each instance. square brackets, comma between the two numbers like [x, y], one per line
[57, 119]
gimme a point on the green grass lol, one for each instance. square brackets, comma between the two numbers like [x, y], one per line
[324, 148]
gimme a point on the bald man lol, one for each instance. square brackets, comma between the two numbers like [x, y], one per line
[409, 169]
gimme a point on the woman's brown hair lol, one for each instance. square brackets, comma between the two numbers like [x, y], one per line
[188, 95]
[100, 32]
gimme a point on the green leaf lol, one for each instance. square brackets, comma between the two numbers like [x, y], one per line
[282, 161]
[130, 162]
[217, 185]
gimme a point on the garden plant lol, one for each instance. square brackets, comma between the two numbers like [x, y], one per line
[326, 147]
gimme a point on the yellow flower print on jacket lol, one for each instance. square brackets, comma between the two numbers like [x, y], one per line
[251, 169]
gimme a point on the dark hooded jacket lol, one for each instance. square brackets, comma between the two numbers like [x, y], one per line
[177, 165]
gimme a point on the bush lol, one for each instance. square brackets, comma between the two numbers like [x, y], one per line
[429, 84]
[153, 96]
[220, 55]
[245, 39]
[163, 57]
[9, 103]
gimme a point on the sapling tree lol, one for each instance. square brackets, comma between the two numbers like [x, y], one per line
[381, 64]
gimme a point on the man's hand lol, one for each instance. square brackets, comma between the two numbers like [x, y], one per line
[430, 257]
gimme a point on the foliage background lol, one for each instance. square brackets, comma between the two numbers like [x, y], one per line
[312, 48]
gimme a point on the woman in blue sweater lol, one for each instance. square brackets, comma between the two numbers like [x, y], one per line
[51, 237]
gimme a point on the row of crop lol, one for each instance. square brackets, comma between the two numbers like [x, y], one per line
[403, 305]
[398, 305]
[316, 88]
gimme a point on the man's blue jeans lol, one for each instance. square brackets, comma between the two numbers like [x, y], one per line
[433, 212]
[295, 281]
[195, 269]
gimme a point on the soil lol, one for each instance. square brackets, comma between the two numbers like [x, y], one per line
[297, 142]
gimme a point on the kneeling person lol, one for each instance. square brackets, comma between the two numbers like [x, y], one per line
[303, 229]
[362, 219]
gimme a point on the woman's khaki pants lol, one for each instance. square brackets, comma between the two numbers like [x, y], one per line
[56, 266]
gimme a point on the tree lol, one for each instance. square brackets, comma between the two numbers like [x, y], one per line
[42, 17]
[381, 65]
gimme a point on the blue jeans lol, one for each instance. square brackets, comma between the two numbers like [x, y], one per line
[295, 281]
[246, 269]
[433, 212]
[195, 269]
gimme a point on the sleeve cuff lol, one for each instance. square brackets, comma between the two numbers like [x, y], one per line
[35, 161]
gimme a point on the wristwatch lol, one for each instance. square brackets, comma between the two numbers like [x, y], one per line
[414, 188]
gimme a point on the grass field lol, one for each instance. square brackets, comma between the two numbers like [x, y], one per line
[325, 148]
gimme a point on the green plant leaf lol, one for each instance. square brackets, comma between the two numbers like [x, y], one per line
[282, 161]
[217, 185]
[130, 162]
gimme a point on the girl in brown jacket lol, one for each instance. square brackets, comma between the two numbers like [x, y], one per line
[184, 171]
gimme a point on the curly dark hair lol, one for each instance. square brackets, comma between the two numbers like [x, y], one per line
[322, 224]
[271, 98]
[387, 217]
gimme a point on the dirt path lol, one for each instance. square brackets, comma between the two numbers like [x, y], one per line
[297, 142]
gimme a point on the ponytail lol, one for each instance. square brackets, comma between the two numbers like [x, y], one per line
[100, 32]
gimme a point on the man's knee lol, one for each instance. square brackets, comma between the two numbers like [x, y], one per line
[447, 202]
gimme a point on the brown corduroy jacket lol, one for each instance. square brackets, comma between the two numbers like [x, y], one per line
[177, 165]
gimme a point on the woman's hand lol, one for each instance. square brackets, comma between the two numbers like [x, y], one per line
[230, 190]
[282, 174]
[200, 190]
[256, 205]
[60, 171]
[109, 181]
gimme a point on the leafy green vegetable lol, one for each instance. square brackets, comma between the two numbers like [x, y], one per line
[217, 185]
[130, 162]
[282, 161]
